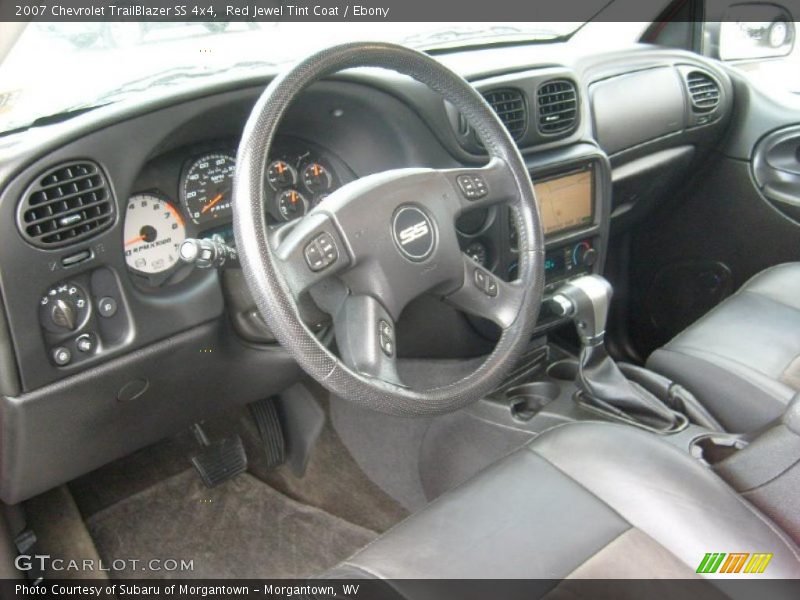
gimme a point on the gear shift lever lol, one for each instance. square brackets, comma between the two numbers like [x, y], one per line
[586, 300]
[600, 382]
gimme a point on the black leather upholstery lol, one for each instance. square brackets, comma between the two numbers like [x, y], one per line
[574, 503]
[742, 359]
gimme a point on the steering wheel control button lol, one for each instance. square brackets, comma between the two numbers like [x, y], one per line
[321, 252]
[480, 279]
[107, 307]
[328, 247]
[314, 257]
[62, 356]
[85, 343]
[472, 187]
[413, 233]
[386, 337]
[485, 282]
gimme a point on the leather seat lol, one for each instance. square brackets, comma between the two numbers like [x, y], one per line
[742, 359]
[583, 500]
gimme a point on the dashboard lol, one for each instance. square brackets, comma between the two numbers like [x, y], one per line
[188, 193]
[110, 343]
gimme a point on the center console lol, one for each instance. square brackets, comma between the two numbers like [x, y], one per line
[573, 192]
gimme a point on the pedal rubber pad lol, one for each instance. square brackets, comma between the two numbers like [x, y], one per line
[221, 460]
[265, 414]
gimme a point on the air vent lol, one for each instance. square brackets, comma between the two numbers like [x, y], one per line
[510, 107]
[67, 204]
[703, 91]
[557, 101]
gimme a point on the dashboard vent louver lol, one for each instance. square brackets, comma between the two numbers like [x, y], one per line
[703, 91]
[510, 107]
[557, 102]
[66, 204]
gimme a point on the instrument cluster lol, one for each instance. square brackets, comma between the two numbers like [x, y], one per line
[188, 193]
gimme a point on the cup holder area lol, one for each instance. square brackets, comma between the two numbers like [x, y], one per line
[713, 448]
[526, 400]
[563, 370]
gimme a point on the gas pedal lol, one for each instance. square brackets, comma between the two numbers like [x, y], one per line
[265, 415]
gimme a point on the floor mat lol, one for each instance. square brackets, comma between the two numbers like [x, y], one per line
[240, 529]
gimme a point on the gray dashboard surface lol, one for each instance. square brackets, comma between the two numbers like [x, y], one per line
[372, 120]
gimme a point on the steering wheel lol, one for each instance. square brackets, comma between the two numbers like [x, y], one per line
[378, 242]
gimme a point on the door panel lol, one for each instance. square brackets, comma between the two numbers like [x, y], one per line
[776, 170]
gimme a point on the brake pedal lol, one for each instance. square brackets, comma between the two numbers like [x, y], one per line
[268, 423]
[219, 460]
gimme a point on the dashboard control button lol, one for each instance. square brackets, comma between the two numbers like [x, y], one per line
[491, 287]
[62, 356]
[107, 307]
[590, 257]
[85, 343]
[583, 255]
[63, 307]
[63, 314]
[386, 337]
[472, 186]
[74, 259]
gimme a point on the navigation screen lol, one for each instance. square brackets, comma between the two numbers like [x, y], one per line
[565, 202]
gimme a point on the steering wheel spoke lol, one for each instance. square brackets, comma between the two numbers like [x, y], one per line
[366, 337]
[485, 295]
[310, 250]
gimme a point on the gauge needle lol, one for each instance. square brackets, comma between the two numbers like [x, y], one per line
[135, 240]
[216, 199]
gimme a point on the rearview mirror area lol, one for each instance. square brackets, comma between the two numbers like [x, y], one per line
[755, 31]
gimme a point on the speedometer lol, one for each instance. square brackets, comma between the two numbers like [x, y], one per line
[207, 187]
[154, 231]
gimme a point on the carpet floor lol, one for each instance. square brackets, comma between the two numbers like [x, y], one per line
[240, 529]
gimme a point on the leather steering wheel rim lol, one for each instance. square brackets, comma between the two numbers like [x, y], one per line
[265, 264]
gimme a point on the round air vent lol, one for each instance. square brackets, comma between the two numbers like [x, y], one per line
[67, 204]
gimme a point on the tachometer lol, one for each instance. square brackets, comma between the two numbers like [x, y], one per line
[153, 231]
[207, 187]
[292, 204]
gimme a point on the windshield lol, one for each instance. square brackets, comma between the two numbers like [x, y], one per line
[59, 67]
